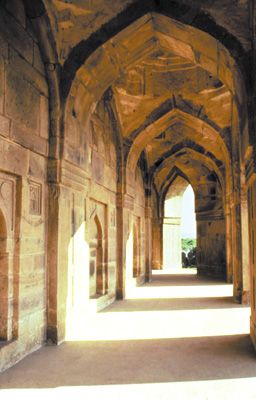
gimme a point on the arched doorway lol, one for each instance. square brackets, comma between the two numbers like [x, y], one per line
[179, 225]
[97, 285]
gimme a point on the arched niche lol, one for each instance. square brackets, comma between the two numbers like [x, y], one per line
[98, 278]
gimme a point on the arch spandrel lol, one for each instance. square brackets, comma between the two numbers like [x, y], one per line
[202, 160]
[203, 134]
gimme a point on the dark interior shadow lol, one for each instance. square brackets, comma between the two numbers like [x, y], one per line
[184, 280]
[134, 362]
[148, 304]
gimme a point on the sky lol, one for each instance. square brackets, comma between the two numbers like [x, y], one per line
[188, 221]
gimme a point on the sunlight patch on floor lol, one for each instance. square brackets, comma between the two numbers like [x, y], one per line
[228, 389]
[161, 324]
[180, 292]
[160, 319]
[174, 271]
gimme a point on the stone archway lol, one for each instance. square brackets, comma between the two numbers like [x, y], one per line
[142, 108]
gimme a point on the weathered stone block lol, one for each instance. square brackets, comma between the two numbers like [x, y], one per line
[27, 139]
[13, 158]
[37, 166]
[16, 8]
[3, 47]
[22, 101]
[5, 125]
[97, 167]
[37, 60]
[28, 72]
[14, 34]
[44, 117]
[1, 84]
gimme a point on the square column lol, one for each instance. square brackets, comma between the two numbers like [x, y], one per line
[172, 243]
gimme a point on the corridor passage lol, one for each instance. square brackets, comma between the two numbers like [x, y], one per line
[178, 337]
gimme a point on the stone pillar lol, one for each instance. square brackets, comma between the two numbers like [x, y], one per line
[58, 243]
[236, 250]
[229, 267]
[172, 243]
[148, 243]
[157, 234]
[245, 249]
[250, 168]
[124, 237]
[211, 244]
[252, 254]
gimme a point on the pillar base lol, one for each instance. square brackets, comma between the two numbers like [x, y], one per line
[253, 332]
[53, 337]
[237, 295]
[212, 271]
[246, 297]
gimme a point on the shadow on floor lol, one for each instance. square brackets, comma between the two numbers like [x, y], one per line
[173, 304]
[184, 280]
[134, 362]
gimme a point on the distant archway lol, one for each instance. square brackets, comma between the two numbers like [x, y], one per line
[172, 249]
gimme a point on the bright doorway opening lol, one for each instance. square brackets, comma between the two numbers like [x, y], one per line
[179, 226]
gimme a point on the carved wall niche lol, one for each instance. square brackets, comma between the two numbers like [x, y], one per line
[35, 198]
[7, 199]
[7, 249]
[98, 249]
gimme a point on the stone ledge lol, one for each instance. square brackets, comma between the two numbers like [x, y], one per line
[99, 303]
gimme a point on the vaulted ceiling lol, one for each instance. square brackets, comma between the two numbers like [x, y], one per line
[171, 86]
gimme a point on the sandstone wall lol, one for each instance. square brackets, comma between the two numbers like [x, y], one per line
[211, 247]
[23, 190]
[86, 218]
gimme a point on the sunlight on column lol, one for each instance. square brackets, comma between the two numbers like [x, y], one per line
[78, 282]
[129, 282]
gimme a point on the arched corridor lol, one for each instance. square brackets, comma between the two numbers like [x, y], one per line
[108, 112]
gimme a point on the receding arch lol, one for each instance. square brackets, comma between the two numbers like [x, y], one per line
[88, 88]
[133, 13]
[199, 127]
[171, 157]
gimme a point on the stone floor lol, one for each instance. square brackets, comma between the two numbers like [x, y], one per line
[178, 337]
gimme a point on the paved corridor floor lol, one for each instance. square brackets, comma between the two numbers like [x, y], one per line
[178, 337]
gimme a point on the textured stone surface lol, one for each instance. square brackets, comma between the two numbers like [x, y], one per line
[105, 106]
